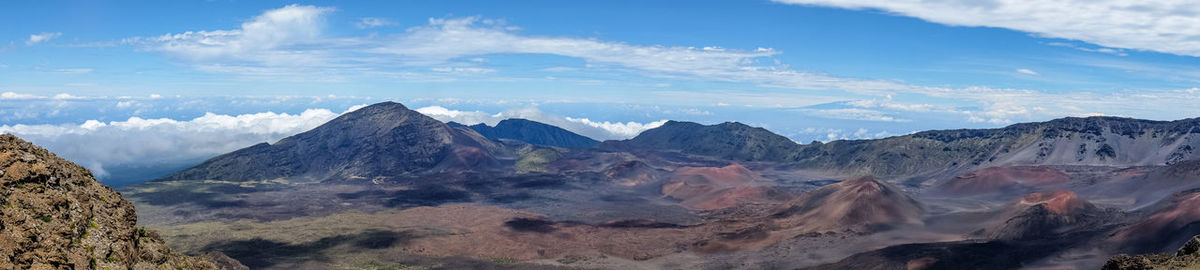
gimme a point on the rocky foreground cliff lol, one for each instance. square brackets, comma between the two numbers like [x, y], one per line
[55, 215]
[1188, 257]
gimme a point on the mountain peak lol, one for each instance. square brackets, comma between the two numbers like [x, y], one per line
[864, 201]
[534, 132]
[1058, 202]
[382, 140]
[729, 140]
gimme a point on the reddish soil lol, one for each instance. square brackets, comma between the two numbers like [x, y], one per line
[848, 204]
[491, 232]
[1000, 178]
[711, 188]
[1060, 202]
[1185, 211]
[631, 173]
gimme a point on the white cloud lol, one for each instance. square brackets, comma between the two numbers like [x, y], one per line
[13, 95]
[833, 134]
[1117, 52]
[439, 111]
[463, 70]
[39, 38]
[65, 96]
[445, 39]
[266, 39]
[370, 22]
[1163, 26]
[1027, 71]
[619, 130]
[155, 96]
[855, 114]
[75, 70]
[559, 69]
[889, 104]
[582, 126]
[287, 43]
[96, 144]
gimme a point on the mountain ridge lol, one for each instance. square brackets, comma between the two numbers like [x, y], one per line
[933, 154]
[729, 140]
[534, 132]
[381, 140]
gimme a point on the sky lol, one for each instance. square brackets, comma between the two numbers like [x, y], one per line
[143, 83]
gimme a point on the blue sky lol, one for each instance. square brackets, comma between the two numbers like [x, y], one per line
[76, 72]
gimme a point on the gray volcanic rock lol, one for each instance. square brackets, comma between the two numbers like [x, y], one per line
[534, 133]
[55, 215]
[1092, 141]
[1099, 141]
[730, 140]
[381, 140]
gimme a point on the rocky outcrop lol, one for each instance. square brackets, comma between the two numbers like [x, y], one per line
[55, 215]
[1187, 257]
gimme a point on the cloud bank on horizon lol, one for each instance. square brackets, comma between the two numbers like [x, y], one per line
[596, 130]
[138, 141]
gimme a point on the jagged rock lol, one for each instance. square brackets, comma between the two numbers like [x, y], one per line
[1187, 257]
[55, 215]
[1190, 248]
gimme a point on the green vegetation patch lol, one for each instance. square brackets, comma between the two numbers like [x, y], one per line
[504, 261]
[537, 160]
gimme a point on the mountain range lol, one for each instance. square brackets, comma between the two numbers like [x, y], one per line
[1066, 193]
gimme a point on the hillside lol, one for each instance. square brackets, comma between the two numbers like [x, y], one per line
[1066, 192]
[534, 133]
[383, 140]
[55, 215]
[1093, 141]
[861, 203]
[1048, 214]
[730, 140]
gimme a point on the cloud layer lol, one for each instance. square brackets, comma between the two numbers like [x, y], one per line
[582, 126]
[289, 43]
[96, 144]
[1170, 26]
